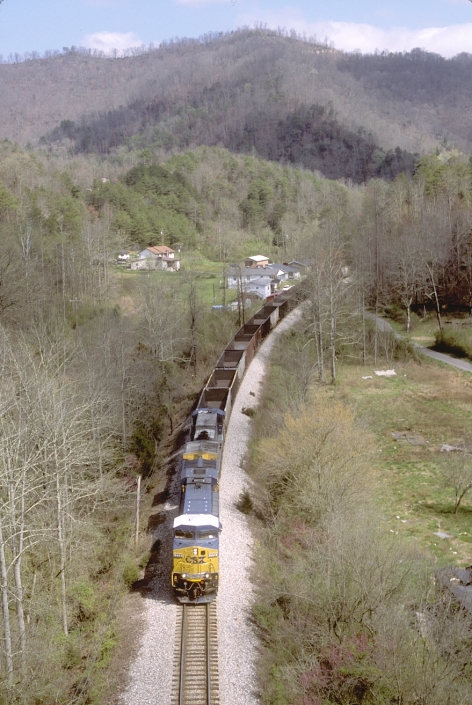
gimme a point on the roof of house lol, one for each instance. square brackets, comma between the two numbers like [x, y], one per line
[300, 263]
[159, 249]
[284, 267]
[258, 258]
[262, 281]
[253, 272]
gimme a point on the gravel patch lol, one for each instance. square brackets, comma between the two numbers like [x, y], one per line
[237, 641]
[150, 674]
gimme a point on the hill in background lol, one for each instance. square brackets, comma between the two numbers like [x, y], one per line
[250, 90]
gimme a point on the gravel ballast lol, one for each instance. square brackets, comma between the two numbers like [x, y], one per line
[150, 674]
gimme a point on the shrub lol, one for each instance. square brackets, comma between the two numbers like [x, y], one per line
[248, 411]
[84, 596]
[456, 341]
[245, 503]
[130, 573]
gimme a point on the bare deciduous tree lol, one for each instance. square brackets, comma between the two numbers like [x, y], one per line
[456, 470]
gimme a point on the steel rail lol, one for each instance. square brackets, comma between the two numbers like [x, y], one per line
[182, 655]
[208, 657]
[196, 675]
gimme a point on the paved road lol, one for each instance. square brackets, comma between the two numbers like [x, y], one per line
[384, 325]
[454, 361]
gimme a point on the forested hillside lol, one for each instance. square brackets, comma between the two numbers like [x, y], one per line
[214, 90]
[100, 365]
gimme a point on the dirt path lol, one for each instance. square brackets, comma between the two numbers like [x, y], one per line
[385, 326]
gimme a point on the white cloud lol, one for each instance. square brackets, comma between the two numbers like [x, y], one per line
[349, 36]
[201, 3]
[107, 41]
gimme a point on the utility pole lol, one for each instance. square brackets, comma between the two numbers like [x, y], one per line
[138, 500]
[241, 297]
[224, 277]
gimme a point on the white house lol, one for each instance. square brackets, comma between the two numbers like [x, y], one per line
[261, 287]
[290, 272]
[240, 277]
[157, 252]
[157, 257]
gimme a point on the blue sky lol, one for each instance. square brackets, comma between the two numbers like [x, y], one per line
[442, 26]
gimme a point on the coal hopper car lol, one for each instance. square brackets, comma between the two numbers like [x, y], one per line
[195, 569]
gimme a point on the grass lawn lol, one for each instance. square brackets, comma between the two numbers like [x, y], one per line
[412, 415]
[209, 278]
[423, 330]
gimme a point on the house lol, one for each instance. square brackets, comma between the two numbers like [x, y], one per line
[157, 251]
[157, 257]
[167, 264]
[290, 272]
[262, 287]
[256, 261]
[303, 266]
[240, 277]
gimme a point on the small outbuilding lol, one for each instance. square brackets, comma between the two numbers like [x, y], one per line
[256, 261]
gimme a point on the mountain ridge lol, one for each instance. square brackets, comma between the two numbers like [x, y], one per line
[214, 90]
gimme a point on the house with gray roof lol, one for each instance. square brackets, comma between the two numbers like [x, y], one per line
[290, 272]
[240, 277]
[262, 287]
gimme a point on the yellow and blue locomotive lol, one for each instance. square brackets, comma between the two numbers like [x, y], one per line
[196, 529]
[195, 566]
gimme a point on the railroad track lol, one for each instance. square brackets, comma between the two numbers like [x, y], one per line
[195, 679]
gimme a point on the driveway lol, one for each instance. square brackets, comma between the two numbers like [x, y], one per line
[384, 326]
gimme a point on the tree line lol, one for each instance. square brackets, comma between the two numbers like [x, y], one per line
[98, 366]
[96, 371]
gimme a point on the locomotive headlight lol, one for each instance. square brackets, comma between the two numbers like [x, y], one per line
[195, 551]
[184, 575]
[207, 575]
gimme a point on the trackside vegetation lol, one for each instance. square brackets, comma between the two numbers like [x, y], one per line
[455, 339]
[347, 608]
[100, 365]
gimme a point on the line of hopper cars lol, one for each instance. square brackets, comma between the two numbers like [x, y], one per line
[195, 566]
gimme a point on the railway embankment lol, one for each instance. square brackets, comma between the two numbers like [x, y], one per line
[152, 671]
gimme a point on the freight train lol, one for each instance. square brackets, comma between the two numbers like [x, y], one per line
[195, 568]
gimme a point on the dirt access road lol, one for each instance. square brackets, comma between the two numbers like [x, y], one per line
[384, 325]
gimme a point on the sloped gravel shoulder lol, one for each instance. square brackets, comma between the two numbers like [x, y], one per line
[150, 674]
[236, 638]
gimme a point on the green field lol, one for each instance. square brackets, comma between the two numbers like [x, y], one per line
[412, 415]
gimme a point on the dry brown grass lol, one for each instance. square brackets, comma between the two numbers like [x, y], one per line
[425, 401]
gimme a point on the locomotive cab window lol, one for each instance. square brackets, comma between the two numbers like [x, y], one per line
[184, 534]
[207, 534]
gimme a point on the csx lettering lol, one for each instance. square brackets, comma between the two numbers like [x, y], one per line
[194, 559]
